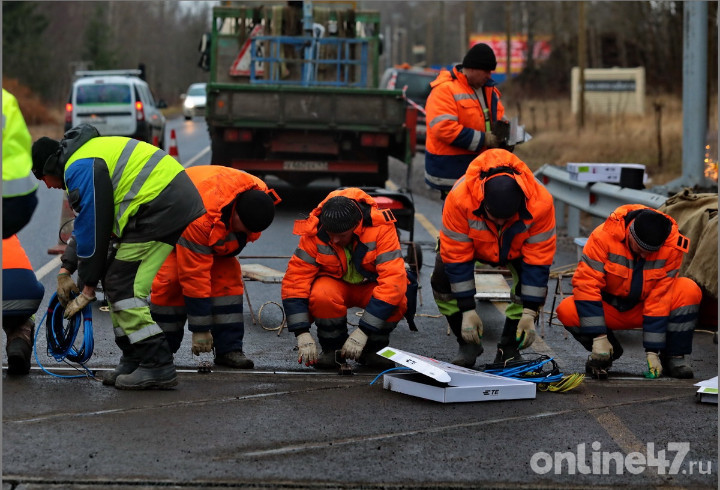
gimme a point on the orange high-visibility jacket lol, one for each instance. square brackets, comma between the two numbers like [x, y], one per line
[209, 235]
[608, 271]
[456, 126]
[376, 255]
[527, 239]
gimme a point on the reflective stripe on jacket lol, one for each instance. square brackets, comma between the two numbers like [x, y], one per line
[609, 271]
[16, 143]
[376, 255]
[22, 293]
[456, 126]
[209, 236]
[468, 235]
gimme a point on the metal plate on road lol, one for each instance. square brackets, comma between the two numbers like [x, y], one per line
[305, 166]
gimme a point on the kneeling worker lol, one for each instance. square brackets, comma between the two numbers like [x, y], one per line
[201, 280]
[500, 215]
[348, 256]
[627, 278]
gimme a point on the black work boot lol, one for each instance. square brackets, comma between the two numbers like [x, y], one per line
[598, 368]
[19, 347]
[676, 367]
[508, 347]
[369, 357]
[467, 353]
[156, 368]
[235, 359]
[127, 364]
[326, 360]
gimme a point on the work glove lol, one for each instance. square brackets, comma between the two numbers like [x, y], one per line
[202, 342]
[471, 327]
[307, 350]
[76, 305]
[66, 286]
[354, 345]
[654, 365]
[525, 333]
[492, 141]
[601, 349]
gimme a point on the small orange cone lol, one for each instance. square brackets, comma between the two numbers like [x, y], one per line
[173, 149]
[155, 141]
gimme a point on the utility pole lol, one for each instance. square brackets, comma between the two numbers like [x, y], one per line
[581, 63]
[508, 41]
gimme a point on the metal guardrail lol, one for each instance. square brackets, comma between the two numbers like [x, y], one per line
[595, 198]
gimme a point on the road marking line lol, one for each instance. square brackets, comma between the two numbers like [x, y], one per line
[429, 430]
[49, 267]
[196, 157]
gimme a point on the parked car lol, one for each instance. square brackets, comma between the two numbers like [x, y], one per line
[117, 103]
[417, 81]
[194, 101]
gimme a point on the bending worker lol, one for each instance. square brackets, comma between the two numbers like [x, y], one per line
[348, 256]
[201, 280]
[141, 196]
[628, 278]
[500, 215]
[19, 186]
[462, 111]
[22, 294]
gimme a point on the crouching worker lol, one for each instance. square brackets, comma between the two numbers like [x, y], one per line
[139, 195]
[348, 256]
[201, 280]
[22, 294]
[500, 215]
[627, 278]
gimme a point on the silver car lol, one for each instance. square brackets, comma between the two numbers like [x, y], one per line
[194, 101]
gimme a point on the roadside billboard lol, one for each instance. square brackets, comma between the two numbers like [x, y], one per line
[518, 49]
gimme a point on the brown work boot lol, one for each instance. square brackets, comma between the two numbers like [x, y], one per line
[19, 347]
[676, 367]
[235, 359]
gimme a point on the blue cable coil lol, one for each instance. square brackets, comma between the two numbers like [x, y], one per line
[62, 337]
[531, 371]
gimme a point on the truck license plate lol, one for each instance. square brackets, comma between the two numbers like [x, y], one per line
[305, 166]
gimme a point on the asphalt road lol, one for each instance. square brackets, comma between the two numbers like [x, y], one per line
[283, 425]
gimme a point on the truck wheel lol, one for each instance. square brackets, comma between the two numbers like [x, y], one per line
[414, 256]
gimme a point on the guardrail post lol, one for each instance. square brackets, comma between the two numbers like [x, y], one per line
[559, 214]
[573, 227]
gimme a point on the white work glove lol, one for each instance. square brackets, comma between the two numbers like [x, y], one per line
[307, 350]
[492, 141]
[76, 305]
[525, 333]
[354, 345]
[601, 349]
[65, 286]
[202, 342]
[654, 365]
[471, 327]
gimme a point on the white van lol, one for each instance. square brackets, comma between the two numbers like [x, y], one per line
[117, 103]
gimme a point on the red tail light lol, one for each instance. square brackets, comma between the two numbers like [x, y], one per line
[385, 202]
[68, 113]
[375, 139]
[139, 111]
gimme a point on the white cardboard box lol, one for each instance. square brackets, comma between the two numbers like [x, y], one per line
[601, 172]
[447, 383]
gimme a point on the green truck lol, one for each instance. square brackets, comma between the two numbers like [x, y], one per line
[293, 93]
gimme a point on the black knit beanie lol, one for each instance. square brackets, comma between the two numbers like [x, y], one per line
[503, 196]
[480, 57]
[650, 229]
[42, 164]
[340, 214]
[255, 209]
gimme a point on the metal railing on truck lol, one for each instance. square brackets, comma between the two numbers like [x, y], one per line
[598, 199]
[350, 64]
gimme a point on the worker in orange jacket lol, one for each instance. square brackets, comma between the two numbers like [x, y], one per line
[22, 294]
[628, 278]
[462, 112]
[201, 280]
[348, 256]
[500, 215]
